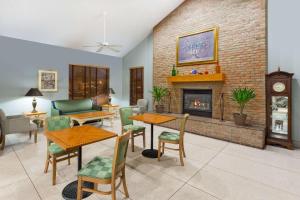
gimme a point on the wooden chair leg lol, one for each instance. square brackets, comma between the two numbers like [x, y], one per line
[144, 140]
[79, 188]
[47, 163]
[163, 147]
[113, 190]
[69, 160]
[54, 170]
[181, 155]
[159, 150]
[183, 150]
[30, 134]
[132, 143]
[124, 183]
[35, 136]
[2, 142]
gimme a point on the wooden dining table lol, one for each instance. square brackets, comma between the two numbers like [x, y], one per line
[152, 119]
[75, 138]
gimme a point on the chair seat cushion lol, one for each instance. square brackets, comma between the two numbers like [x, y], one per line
[133, 128]
[55, 149]
[97, 168]
[169, 136]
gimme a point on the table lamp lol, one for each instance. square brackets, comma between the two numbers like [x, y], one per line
[111, 91]
[34, 92]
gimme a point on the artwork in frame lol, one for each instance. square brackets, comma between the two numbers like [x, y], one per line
[47, 81]
[198, 48]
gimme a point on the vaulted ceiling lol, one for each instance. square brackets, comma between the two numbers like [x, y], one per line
[75, 23]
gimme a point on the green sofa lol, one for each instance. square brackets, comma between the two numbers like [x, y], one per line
[67, 107]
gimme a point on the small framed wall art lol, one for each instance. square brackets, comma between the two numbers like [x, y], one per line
[197, 48]
[47, 81]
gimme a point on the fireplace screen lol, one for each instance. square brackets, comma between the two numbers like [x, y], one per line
[197, 102]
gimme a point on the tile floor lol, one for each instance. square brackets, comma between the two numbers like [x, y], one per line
[213, 170]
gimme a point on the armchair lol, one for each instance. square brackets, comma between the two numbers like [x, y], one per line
[141, 107]
[15, 124]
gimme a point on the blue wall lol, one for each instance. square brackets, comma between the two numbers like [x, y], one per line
[140, 56]
[284, 48]
[19, 64]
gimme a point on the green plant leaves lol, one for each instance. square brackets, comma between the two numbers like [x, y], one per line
[242, 96]
[158, 93]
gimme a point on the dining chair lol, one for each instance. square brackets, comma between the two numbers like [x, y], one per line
[127, 125]
[15, 124]
[55, 153]
[173, 138]
[140, 107]
[103, 170]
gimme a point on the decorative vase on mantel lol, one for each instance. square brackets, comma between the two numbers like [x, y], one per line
[174, 71]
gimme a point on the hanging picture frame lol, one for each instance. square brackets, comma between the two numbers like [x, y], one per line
[197, 48]
[47, 81]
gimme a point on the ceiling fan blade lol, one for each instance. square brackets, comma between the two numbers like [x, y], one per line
[90, 46]
[116, 45]
[113, 49]
[100, 49]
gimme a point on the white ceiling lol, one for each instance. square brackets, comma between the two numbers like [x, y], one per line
[74, 23]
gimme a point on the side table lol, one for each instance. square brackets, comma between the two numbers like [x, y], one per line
[113, 108]
[37, 117]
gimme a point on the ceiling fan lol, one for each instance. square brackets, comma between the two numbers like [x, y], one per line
[105, 45]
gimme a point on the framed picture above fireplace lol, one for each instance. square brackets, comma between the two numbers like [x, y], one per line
[197, 48]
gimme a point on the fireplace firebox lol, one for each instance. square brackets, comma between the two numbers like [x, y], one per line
[197, 102]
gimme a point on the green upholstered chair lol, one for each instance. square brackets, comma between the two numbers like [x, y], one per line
[173, 138]
[55, 153]
[102, 170]
[127, 124]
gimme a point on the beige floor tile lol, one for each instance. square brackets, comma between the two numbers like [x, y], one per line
[196, 158]
[11, 170]
[266, 156]
[147, 183]
[22, 189]
[228, 186]
[272, 176]
[189, 192]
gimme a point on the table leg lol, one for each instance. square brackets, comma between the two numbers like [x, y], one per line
[150, 153]
[70, 191]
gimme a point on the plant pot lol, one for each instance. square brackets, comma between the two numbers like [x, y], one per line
[239, 119]
[159, 108]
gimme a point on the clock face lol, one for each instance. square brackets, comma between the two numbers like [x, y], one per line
[279, 87]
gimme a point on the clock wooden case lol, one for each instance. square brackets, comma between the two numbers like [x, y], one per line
[279, 108]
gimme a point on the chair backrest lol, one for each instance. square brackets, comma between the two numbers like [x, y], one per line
[2, 115]
[120, 153]
[2, 121]
[124, 114]
[182, 126]
[143, 103]
[57, 123]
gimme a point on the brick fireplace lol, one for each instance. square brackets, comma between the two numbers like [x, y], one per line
[242, 52]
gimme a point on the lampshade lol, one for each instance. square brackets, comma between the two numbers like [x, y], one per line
[111, 91]
[33, 92]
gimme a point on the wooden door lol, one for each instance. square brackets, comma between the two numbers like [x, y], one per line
[136, 84]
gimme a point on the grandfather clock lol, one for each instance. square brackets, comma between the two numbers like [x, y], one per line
[279, 108]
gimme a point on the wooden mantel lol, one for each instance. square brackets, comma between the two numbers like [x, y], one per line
[219, 77]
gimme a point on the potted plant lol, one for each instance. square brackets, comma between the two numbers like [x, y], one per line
[242, 96]
[158, 94]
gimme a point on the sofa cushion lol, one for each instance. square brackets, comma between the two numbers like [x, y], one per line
[67, 106]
